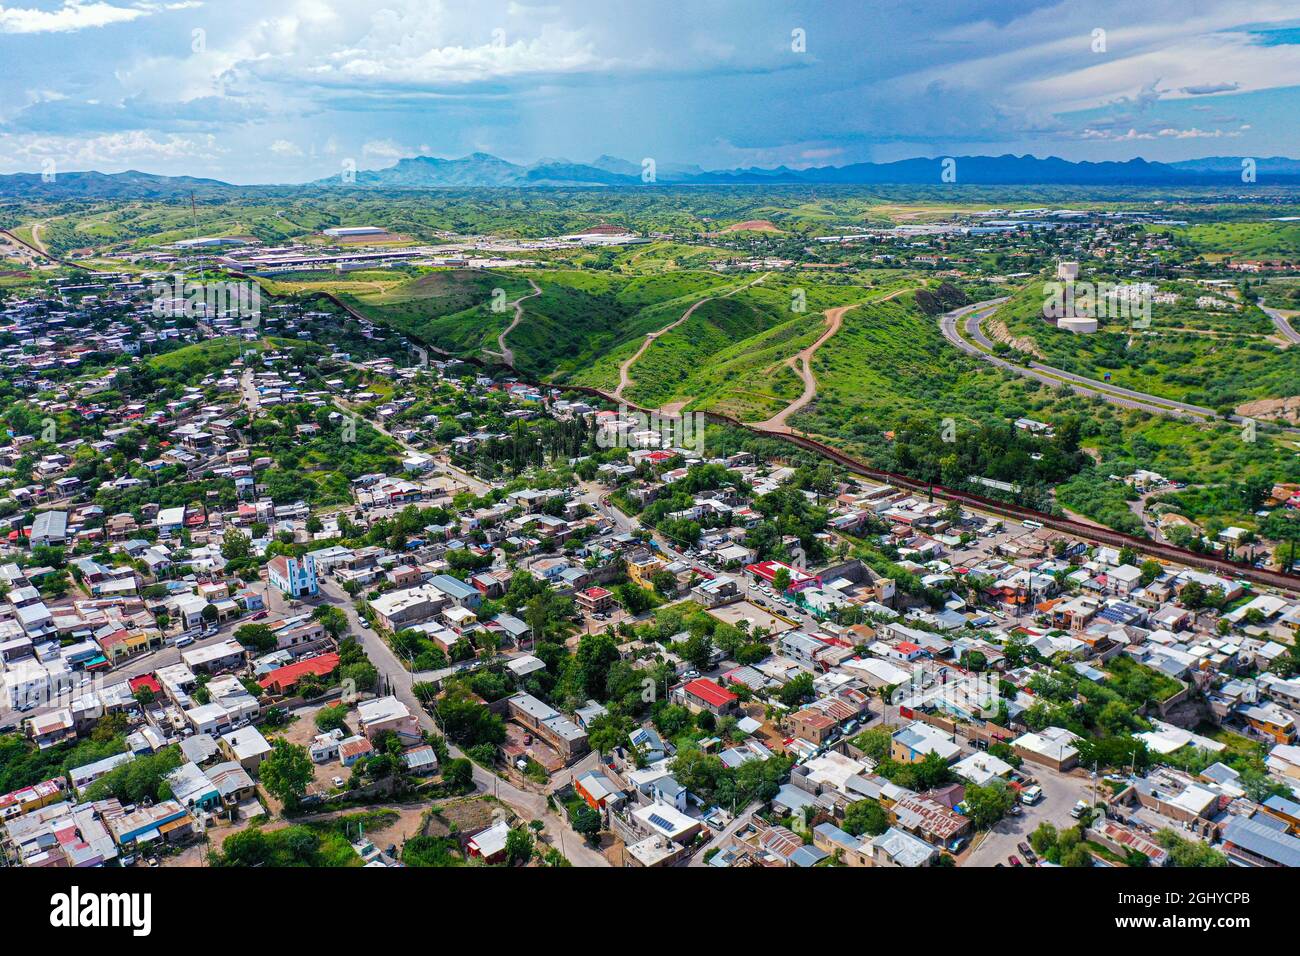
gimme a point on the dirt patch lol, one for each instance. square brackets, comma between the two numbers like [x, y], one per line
[461, 816]
[1273, 409]
[752, 225]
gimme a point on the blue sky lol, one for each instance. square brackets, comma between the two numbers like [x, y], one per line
[289, 90]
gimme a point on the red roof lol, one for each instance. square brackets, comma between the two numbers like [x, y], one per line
[710, 692]
[595, 593]
[285, 677]
[145, 680]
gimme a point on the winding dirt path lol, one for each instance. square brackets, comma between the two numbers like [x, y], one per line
[624, 370]
[801, 362]
[507, 354]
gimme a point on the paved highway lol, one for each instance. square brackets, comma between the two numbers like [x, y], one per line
[971, 318]
[1281, 323]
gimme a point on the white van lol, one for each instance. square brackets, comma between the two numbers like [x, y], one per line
[1031, 795]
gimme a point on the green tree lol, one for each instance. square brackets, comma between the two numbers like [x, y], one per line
[865, 816]
[519, 846]
[286, 771]
[986, 805]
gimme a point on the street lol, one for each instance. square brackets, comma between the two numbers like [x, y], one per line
[529, 806]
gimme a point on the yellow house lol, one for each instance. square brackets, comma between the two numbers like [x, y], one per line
[643, 566]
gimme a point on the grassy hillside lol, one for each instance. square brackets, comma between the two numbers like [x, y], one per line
[1218, 360]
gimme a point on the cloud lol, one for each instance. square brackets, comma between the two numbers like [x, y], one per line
[386, 149]
[111, 149]
[282, 147]
[1206, 89]
[73, 15]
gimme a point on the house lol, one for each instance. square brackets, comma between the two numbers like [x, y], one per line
[50, 529]
[597, 790]
[166, 820]
[1052, 747]
[387, 714]
[595, 600]
[549, 724]
[283, 679]
[703, 694]
[851, 850]
[246, 747]
[460, 594]
[931, 820]
[490, 845]
[918, 740]
[896, 847]
[325, 747]
[191, 787]
[1248, 841]
[353, 749]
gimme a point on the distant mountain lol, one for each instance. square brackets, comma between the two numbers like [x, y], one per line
[485, 171]
[1270, 165]
[131, 184]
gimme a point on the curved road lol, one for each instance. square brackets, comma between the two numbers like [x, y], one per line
[801, 362]
[526, 803]
[1281, 323]
[506, 353]
[624, 370]
[971, 317]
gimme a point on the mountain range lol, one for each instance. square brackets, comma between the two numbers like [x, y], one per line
[485, 171]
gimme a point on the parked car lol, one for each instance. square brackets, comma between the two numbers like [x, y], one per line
[1014, 861]
[1027, 850]
[185, 641]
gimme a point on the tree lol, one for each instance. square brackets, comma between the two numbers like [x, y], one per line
[331, 718]
[1151, 569]
[796, 689]
[332, 619]
[458, 774]
[519, 846]
[1184, 852]
[781, 580]
[258, 637]
[608, 732]
[986, 805]
[865, 816]
[585, 820]
[1043, 838]
[286, 771]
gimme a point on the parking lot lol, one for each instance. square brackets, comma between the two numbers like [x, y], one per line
[1060, 793]
[748, 611]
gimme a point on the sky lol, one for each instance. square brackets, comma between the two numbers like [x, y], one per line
[271, 91]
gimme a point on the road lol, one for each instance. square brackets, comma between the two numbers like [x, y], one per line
[529, 805]
[971, 317]
[1281, 323]
[507, 355]
[624, 370]
[801, 362]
